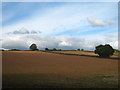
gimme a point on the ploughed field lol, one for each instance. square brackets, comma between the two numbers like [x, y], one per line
[37, 69]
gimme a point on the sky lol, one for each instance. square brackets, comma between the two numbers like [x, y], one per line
[62, 25]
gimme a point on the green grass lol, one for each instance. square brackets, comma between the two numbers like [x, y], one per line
[104, 76]
[50, 81]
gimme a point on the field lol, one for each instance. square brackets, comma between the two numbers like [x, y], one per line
[37, 69]
[84, 53]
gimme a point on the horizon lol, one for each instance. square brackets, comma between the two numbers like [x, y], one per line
[64, 25]
[51, 49]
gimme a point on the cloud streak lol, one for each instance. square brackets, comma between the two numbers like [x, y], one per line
[99, 23]
[25, 31]
[66, 14]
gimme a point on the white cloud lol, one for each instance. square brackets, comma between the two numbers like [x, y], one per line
[21, 31]
[114, 43]
[99, 23]
[24, 31]
[113, 37]
[110, 22]
[14, 43]
[34, 32]
[63, 42]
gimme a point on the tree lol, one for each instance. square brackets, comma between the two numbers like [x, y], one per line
[14, 50]
[46, 49]
[33, 47]
[54, 49]
[78, 49]
[82, 49]
[60, 49]
[104, 50]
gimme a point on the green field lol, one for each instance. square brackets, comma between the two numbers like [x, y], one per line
[52, 81]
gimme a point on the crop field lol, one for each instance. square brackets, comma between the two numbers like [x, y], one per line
[89, 53]
[37, 69]
[78, 52]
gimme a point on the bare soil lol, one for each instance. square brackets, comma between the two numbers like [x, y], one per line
[37, 62]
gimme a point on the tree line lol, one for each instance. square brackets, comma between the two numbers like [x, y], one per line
[102, 50]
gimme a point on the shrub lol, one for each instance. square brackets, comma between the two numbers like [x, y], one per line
[104, 50]
[14, 50]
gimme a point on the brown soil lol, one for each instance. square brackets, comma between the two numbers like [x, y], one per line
[36, 62]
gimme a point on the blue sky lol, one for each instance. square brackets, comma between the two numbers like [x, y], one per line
[58, 22]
